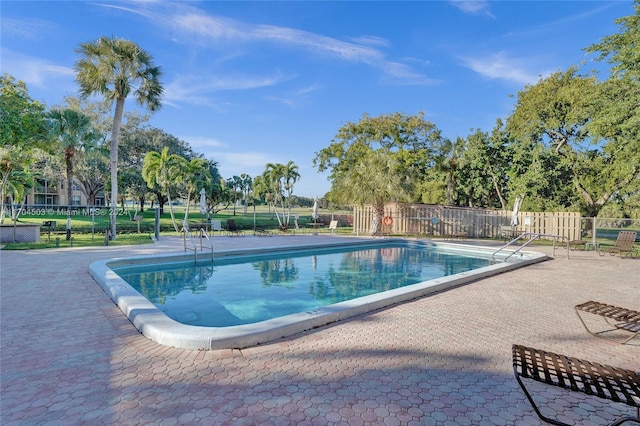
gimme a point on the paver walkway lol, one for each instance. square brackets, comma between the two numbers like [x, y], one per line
[69, 356]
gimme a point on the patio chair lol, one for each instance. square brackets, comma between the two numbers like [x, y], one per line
[216, 225]
[576, 375]
[232, 228]
[507, 232]
[623, 245]
[259, 231]
[333, 226]
[620, 318]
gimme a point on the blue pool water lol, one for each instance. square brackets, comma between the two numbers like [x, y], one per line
[254, 288]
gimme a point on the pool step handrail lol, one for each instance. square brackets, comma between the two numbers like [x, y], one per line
[186, 235]
[204, 234]
[192, 244]
[531, 237]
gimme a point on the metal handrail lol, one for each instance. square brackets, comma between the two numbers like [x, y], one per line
[203, 233]
[532, 236]
[187, 235]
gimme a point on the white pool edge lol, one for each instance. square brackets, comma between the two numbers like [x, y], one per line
[158, 327]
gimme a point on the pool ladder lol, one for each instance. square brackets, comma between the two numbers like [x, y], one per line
[190, 244]
[531, 237]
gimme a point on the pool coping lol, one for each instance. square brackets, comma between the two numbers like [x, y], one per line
[158, 327]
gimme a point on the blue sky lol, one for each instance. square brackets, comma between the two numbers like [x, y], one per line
[248, 83]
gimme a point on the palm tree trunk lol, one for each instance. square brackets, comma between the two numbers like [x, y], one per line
[173, 217]
[378, 214]
[113, 163]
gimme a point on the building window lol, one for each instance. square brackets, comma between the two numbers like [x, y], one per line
[75, 200]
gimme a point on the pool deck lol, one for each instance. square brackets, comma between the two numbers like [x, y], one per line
[70, 356]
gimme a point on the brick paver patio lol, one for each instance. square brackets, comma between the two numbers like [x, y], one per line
[69, 356]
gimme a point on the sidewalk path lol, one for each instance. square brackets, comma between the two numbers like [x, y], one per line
[69, 356]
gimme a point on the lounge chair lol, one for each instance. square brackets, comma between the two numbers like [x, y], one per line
[232, 228]
[621, 319]
[508, 232]
[333, 226]
[216, 225]
[284, 230]
[577, 375]
[623, 245]
[261, 232]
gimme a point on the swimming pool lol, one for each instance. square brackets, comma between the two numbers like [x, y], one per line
[249, 297]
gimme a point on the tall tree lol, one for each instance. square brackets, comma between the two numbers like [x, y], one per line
[621, 49]
[277, 184]
[616, 117]
[116, 68]
[290, 175]
[234, 183]
[246, 184]
[22, 131]
[560, 150]
[194, 176]
[413, 141]
[484, 165]
[22, 120]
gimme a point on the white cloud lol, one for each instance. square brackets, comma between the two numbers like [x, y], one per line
[473, 7]
[196, 89]
[230, 162]
[27, 29]
[500, 66]
[196, 28]
[34, 71]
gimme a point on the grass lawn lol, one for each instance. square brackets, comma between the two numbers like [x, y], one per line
[89, 230]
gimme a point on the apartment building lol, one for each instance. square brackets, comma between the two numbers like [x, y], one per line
[54, 193]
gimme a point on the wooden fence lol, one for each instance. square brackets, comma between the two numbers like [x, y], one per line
[443, 221]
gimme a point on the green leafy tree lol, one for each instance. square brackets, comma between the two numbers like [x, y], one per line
[449, 164]
[561, 154]
[483, 173]
[194, 176]
[415, 143]
[218, 195]
[621, 49]
[22, 120]
[116, 68]
[22, 132]
[15, 176]
[616, 117]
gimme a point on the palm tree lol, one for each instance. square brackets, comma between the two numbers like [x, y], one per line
[290, 176]
[73, 131]
[14, 166]
[272, 176]
[163, 169]
[194, 175]
[246, 184]
[449, 162]
[116, 68]
[375, 179]
[234, 183]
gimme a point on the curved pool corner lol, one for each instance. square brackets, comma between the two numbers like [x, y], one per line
[158, 327]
